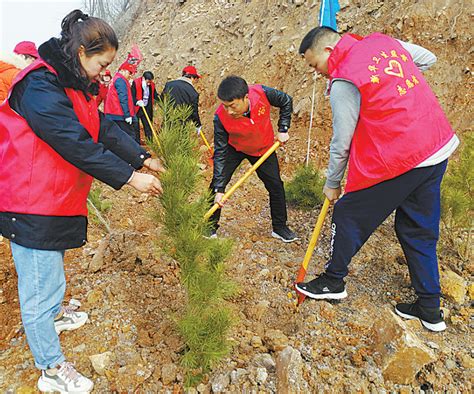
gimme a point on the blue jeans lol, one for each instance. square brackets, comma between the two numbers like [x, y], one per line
[41, 287]
[415, 196]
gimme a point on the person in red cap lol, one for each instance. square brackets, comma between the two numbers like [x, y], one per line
[182, 91]
[119, 106]
[11, 64]
[104, 84]
[28, 50]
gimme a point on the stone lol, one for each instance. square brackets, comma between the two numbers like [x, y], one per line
[97, 261]
[220, 382]
[467, 362]
[453, 286]
[471, 292]
[261, 375]
[237, 375]
[399, 352]
[266, 361]
[100, 362]
[79, 348]
[275, 340]
[289, 372]
[168, 373]
[202, 388]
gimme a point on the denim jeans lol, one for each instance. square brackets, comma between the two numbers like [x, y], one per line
[41, 287]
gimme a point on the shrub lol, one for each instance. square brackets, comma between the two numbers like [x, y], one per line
[305, 190]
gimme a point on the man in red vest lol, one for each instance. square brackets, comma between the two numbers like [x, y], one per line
[144, 95]
[243, 130]
[119, 106]
[389, 127]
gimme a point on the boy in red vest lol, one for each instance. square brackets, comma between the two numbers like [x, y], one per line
[144, 95]
[389, 126]
[243, 130]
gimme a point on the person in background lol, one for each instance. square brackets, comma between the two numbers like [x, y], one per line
[104, 84]
[24, 54]
[182, 91]
[144, 96]
[389, 127]
[53, 142]
[119, 105]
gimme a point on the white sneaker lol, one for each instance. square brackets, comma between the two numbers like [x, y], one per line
[66, 380]
[69, 319]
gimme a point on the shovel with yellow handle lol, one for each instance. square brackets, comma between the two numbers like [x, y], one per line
[250, 171]
[309, 252]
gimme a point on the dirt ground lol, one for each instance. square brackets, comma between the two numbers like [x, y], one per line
[134, 299]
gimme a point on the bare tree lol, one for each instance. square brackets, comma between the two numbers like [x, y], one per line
[109, 10]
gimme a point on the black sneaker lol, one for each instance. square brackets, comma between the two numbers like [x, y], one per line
[323, 288]
[431, 318]
[285, 234]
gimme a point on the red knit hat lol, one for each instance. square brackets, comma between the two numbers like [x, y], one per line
[26, 48]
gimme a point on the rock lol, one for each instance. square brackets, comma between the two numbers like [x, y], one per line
[100, 362]
[453, 286]
[471, 292]
[94, 297]
[237, 375]
[79, 348]
[168, 373]
[432, 345]
[275, 340]
[202, 388]
[289, 372]
[467, 362]
[261, 375]
[401, 355]
[265, 360]
[220, 383]
[25, 390]
[97, 261]
[130, 377]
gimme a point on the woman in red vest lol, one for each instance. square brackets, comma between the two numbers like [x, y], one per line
[53, 142]
[390, 129]
[144, 95]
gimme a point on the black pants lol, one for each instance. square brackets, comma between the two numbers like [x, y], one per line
[128, 128]
[415, 197]
[269, 174]
[146, 125]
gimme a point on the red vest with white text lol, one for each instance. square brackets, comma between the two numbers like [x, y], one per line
[34, 178]
[112, 103]
[252, 136]
[139, 90]
[401, 123]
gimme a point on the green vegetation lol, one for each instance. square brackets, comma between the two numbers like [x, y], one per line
[206, 318]
[305, 190]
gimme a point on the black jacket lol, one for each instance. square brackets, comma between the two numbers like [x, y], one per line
[40, 99]
[276, 98]
[183, 92]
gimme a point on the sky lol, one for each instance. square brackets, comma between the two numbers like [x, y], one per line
[32, 20]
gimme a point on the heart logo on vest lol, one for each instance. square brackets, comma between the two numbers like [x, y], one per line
[394, 68]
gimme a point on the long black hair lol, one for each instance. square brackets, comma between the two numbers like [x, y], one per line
[79, 29]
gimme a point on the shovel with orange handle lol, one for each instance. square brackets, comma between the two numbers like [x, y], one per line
[311, 246]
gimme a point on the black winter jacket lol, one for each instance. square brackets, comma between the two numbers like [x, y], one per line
[183, 92]
[40, 99]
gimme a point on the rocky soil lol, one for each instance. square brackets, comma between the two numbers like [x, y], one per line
[131, 289]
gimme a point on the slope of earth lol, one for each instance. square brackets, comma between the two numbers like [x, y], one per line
[133, 293]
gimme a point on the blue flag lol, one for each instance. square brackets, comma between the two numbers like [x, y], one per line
[327, 13]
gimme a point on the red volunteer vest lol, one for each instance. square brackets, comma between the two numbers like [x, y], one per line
[252, 136]
[102, 96]
[34, 178]
[401, 123]
[112, 103]
[139, 90]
